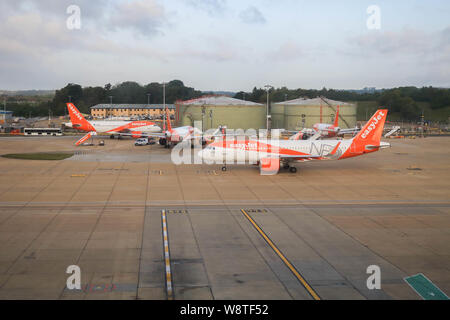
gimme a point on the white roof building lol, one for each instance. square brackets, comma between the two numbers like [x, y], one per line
[311, 102]
[219, 101]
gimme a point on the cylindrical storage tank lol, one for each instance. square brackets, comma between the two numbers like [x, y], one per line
[215, 111]
[277, 112]
[304, 113]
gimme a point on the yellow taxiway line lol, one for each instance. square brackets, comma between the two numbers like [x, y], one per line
[282, 257]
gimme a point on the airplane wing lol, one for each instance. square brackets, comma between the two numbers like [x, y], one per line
[293, 156]
[348, 131]
[142, 134]
[316, 136]
[392, 131]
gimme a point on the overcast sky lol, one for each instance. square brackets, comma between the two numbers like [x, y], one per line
[225, 44]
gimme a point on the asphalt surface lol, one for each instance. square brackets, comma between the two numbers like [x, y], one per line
[231, 235]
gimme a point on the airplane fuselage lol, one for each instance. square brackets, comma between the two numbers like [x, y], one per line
[178, 134]
[326, 130]
[114, 126]
[255, 150]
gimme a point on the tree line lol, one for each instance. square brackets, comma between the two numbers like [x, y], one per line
[404, 100]
[86, 97]
[126, 92]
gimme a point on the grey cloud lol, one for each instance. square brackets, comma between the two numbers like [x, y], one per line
[213, 48]
[57, 8]
[212, 7]
[252, 15]
[288, 51]
[37, 42]
[407, 41]
[144, 17]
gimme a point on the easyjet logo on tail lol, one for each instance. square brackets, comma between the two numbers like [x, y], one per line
[373, 124]
[75, 112]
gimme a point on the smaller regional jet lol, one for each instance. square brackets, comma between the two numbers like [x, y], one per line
[323, 130]
[136, 129]
[270, 155]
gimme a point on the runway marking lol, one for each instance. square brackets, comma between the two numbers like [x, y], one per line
[177, 211]
[165, 234]
[257, 210]
[78, 175]
[282, 257]
[426, 289]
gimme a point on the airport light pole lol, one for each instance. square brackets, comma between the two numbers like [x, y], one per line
[211, 117]
[148, 104]
[164, 105]
[110, 104]
[268, 87]
[65, 109]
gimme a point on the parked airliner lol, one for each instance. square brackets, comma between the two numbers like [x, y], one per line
[136, 129]
[273, 154]
[324, 130]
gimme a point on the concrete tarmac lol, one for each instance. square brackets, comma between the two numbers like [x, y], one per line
[101, 210]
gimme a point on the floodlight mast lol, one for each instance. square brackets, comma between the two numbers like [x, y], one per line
[268, 87]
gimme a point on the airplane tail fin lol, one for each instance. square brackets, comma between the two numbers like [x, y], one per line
[369, 138]
[336, 119]
[371, 133]
[77, 119]
[169, 125]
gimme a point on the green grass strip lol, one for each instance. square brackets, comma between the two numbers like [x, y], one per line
[39, 156]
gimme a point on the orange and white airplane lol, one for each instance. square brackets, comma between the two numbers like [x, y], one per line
[273, 154]
[324, 130]
[171, 136]
[136, 129]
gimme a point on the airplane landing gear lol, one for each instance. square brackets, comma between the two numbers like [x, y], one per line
[224, 168]
[292, 169]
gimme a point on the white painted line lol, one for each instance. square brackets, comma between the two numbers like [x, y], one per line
[167, 256]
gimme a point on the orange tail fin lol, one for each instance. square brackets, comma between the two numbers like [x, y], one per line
[336, 119]
[369, 138]
[371, 133]
[77, 119]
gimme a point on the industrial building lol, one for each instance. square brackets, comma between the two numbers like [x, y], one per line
[304, 113]
[215, 111]
[129, 110]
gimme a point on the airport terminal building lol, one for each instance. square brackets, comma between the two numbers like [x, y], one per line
[129, 110]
